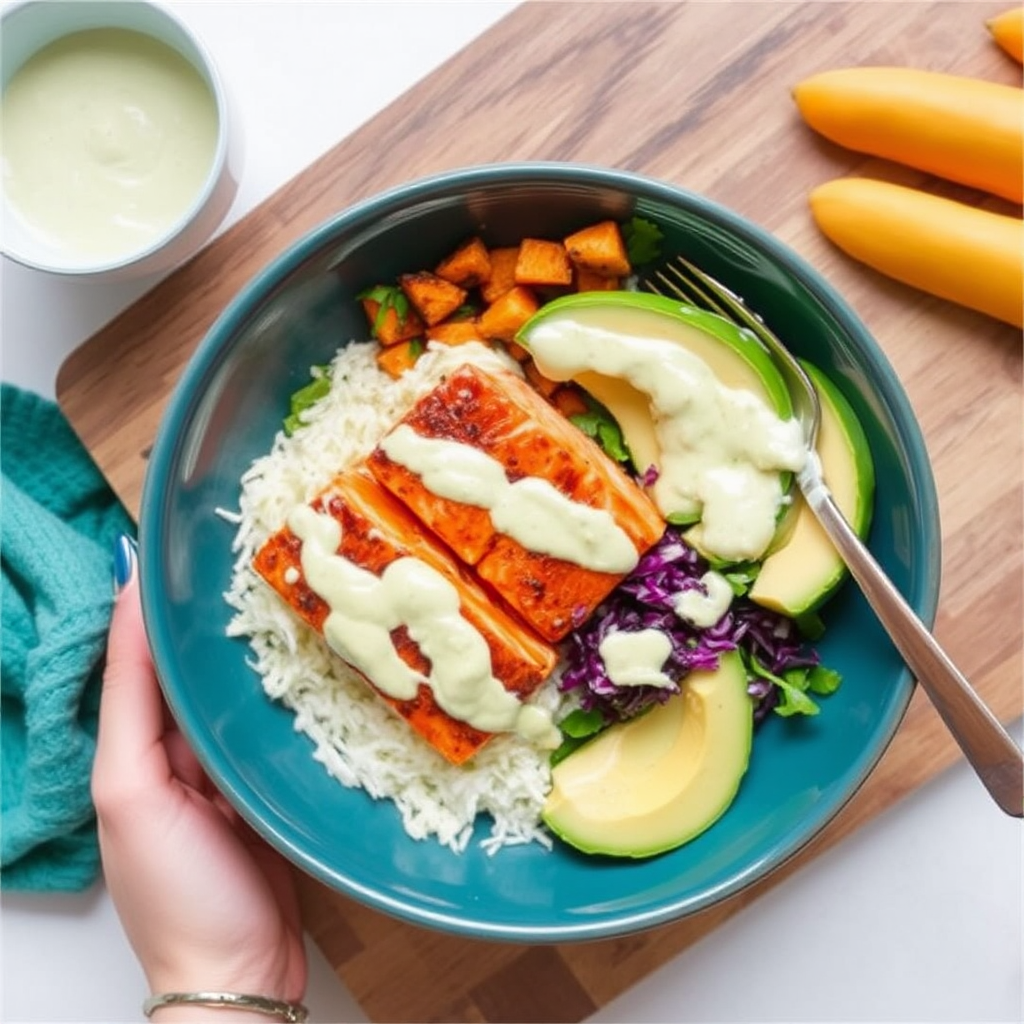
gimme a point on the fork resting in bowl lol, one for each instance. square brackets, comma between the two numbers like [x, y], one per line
[988, 747]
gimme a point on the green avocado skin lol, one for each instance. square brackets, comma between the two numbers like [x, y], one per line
[744, 344]
[728, 348]
[856, 442]
[790, 580]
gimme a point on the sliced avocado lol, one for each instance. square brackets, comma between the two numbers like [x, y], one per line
[735, 356]
[656, 782]
[805, 570]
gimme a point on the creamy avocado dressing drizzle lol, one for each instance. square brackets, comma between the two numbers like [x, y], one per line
[703, 608]
[529, 510]
[365, 609]
[721, 448]
[636, 658]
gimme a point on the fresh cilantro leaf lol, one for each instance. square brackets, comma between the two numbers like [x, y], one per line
[794, 702]
[739, 582]
[823, 680]
[792, 698]
[577, 727]
[739, 575]
[599, 424]
[814, 678]
[587, 422]
[797, 677]
[643, 240]
[609, 436]
[416, 347]
[580, 723]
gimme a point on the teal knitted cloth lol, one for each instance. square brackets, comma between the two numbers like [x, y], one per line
[58, 522]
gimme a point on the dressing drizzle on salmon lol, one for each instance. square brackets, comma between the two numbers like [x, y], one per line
[501, 416]
[376, 531]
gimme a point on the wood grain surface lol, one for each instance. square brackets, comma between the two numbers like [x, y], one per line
[696, 94]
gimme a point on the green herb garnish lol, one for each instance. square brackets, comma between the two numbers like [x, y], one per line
[387, 296]
[792, 685]
[739, 575]
[823, 681]
[307, 396]
[599, 424]
[579, 723]
[577, 727]
[643, 240]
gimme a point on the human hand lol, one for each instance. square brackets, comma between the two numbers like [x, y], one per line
[205, 903]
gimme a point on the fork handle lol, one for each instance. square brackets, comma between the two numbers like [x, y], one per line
[988, 747]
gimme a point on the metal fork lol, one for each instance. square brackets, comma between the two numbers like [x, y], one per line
[987, 746]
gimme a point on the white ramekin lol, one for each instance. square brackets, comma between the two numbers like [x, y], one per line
[27, 27]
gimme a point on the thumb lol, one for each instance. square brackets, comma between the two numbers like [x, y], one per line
[131, 721]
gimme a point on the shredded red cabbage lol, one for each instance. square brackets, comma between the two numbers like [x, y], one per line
[644, 600]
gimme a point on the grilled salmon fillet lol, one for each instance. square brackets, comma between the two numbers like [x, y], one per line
[375, 531]
[501, 415]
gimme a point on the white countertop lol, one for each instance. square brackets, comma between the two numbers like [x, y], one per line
[917, 917]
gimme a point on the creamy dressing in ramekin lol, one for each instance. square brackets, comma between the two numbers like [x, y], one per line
[108, 139]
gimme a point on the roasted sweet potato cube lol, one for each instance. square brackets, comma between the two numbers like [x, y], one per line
[396, 359]
[541, 262]
[600, 248]
[376, 531]
[516, 351]
[434, 298]
[591, 281]
[392, 323]
[503, 273]
[541, 384]
[568, 401]
[503, 317]
[468, 267]
[455, 332]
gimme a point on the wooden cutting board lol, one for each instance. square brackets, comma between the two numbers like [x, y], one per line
[696, 94]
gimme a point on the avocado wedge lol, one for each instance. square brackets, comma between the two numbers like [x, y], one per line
[699, 401]
[805, 569]
[737, 359]
[654, 783]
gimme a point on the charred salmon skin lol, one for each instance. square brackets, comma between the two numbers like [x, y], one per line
[477, 424]
[376, 530]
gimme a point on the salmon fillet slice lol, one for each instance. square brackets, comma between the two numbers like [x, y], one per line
[375, 531]
[500, 415]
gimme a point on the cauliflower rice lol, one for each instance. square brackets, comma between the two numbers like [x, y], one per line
[356, 737]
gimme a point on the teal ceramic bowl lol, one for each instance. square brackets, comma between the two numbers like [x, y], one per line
[224, 413]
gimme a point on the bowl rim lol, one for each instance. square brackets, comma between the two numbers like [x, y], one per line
[210, 71]
[925, 580]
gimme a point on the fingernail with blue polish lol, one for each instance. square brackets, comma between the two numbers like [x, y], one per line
[125, 560]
